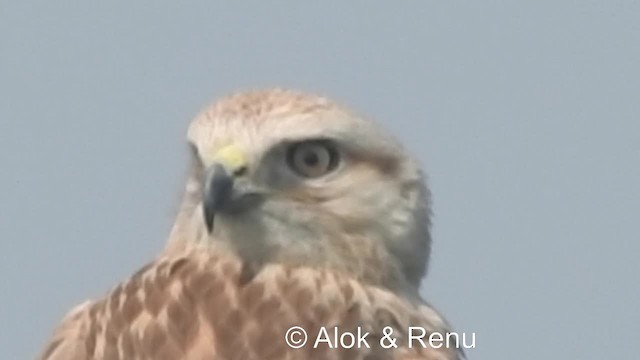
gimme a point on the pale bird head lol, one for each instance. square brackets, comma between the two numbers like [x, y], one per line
[294, 179]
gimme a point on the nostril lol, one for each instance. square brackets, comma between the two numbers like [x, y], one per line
[240, 171]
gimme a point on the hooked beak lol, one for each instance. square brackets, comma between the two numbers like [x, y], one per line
[226, 188]
[218, 188]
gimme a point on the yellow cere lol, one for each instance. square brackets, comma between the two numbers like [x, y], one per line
[230, 157]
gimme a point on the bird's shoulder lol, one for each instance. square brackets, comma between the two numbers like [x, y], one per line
[198, 304]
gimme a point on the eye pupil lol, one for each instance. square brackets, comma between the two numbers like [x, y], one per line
[313, 158]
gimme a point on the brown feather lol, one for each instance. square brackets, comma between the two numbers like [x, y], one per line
[190, 306]
[349, 254]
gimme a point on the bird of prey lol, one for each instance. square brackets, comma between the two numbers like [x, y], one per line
[297, 213]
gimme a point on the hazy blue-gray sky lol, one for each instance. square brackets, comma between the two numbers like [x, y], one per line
[526, 116]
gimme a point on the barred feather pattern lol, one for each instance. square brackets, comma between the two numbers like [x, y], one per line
[195, 306]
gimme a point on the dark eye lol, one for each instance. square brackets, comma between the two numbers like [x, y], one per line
[312, 159]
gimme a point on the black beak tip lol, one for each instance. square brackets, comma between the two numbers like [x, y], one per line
[217, 192]
[209, 217]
